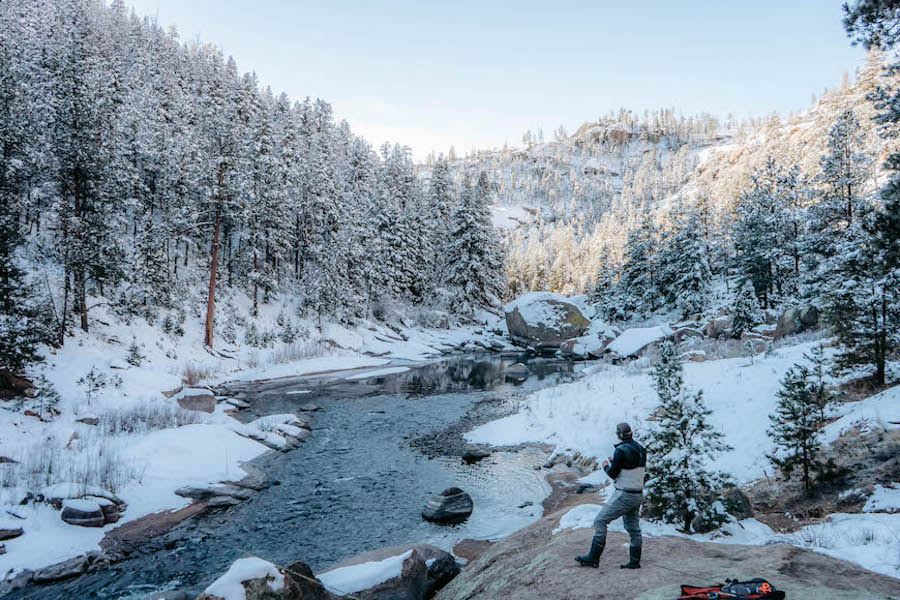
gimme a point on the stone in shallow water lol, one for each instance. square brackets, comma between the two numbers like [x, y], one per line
[450, 506]
[473, 455]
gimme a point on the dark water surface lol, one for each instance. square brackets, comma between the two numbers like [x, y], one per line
[357, 484]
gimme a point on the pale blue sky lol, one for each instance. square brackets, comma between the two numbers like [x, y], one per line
[476, 74]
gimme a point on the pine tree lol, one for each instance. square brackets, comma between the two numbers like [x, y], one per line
[863, 298]
[768, 230]
[795, 424]
[20, 330]
[845, 169]
[747, 314]
[442, 201]
[637, 286]
[474, 276]
[684, 273]
[682, 448]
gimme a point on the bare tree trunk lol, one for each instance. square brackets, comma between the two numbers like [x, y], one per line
[255, 285]
[213, 270]
[65, 306]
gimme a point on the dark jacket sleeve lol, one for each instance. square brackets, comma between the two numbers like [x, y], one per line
[615, 467]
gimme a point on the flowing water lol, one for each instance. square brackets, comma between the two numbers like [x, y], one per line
[358, 483]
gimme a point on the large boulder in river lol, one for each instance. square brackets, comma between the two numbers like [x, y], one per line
[450, 506]
[544, 320]
[796, 320]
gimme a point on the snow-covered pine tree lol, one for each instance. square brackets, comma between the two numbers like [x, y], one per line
[222, 153]
[474, 277]
[768, 230]
[442, 200]
[682, 448]
[636, 288]
[795, 424]
[864, 297]
[20, 330]
[859, 301]
[747, 313]
[685, 275]
[845, 169]
[605, 281]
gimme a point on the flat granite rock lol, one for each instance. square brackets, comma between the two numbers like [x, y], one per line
[534, 564]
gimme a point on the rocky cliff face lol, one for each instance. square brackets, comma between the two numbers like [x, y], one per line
[534, 564]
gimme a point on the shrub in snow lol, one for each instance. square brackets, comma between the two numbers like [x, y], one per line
[288, 335]
[168, 324]
[747, 313]
[682, 446]
[147, 416]
[93, 382]
[229, 331]
[251, 336]
[83, 464]
[795, 424]
[135, 357]
[298, 351]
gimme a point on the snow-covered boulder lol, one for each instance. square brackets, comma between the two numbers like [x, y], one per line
[544, 320]
[110, 510]
[82, 512]
[684, 333]
[256, 579]
[718, 327]
[796, 320]
[590, 345]
[633, 341]
[393, 573]
[196, 399]
[694, 356]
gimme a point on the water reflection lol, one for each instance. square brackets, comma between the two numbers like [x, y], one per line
[459, 374]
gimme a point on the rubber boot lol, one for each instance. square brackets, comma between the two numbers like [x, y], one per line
[634, 555]
[592, 558]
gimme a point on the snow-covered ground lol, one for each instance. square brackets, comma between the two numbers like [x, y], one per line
[112, 427]
[582, 416]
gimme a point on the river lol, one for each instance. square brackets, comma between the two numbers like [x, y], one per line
[379, 448]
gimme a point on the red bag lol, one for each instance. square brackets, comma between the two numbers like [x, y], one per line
[754, 589]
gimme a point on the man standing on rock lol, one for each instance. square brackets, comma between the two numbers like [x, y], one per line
[626, 469]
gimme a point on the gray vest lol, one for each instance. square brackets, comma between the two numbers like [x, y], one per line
[631, 480]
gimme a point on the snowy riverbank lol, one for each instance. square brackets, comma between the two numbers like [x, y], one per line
[112, 428]
[581, 417]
